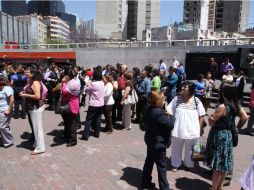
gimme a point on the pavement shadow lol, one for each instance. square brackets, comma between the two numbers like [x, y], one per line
[132, 176]
[191, 184]
[25, 135]
[26, 145]
[57, 137]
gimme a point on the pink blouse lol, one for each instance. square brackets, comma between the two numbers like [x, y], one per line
[69, 98]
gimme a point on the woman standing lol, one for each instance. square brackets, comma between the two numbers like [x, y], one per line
[251, 119]
[189, 114]
[35, 105]
[219, 147]
[70, 96]
[95, 90]
[200, 88]
[209, 85]
[156, 81]
[128, 88]
[108, 103]
[6, 102]
[158, 125]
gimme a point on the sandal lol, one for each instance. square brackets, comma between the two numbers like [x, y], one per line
[35, 153]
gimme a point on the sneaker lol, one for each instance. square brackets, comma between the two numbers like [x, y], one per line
[250, 133]
[174, 169]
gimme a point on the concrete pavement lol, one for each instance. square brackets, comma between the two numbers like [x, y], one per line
[111, 162]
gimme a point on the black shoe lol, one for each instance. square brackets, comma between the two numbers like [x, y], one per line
[148, 186]
[96, 136]
[50, 108]
[61, 123]
[249, 133]
[71, 144]
[85, 138]
[23, 116]
[15, 116]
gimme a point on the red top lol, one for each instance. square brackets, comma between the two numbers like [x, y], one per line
[89, 73]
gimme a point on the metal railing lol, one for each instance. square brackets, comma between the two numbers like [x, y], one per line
[137, 44]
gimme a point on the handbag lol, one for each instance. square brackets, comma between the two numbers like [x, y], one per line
[234, 135]
[198, 151]
[132, 98]
[65, 109]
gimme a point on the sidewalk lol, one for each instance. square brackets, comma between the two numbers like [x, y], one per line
[111, 162]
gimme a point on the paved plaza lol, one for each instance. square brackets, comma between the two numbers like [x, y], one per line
[111, 162]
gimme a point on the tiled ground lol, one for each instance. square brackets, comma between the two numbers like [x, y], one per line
[111, 162]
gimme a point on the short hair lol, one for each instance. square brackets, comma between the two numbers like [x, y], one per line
[97, 74]
[128, 75]
[136, 70]
[109, 77]
[161, 61]
[156, 98]
[156, 72]
[3, 81]
[200, 77]
[191, 87]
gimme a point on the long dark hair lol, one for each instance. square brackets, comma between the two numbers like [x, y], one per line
[230, 96]
[37, 75]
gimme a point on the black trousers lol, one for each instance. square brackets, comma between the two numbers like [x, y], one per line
[19, 101]
[141, 109]
[70, 127]
[93, 117]
[159, 158]
[107, 109]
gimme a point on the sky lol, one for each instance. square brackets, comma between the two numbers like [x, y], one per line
[171, 11]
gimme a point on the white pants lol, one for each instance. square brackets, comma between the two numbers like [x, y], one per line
[36, 117]
[177, 149]
[126, 120]
[5, 132]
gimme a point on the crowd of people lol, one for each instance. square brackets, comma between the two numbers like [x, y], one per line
[166, 106]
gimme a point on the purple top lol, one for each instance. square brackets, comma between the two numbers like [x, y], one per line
[96, 93]
[225, 67]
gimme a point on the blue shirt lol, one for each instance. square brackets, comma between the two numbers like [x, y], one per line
[4, 98]
[163, 67]
[19, 81]
[144, 87]
[225, 67]
[172, 81]
[199, 86]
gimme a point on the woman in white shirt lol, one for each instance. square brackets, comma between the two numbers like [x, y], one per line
[189, 114]
[228, 77]
[108, 102]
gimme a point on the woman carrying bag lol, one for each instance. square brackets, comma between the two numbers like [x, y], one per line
[219, 147]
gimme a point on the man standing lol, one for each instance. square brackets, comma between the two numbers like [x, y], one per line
[175, 63]
[143, 91]
[163, 66]
[171, 84]
[226, 66]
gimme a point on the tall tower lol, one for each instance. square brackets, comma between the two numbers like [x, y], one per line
[126, 19]
[46, 8]
[217, 15]
[14, 8]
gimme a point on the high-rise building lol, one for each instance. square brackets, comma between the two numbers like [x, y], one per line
[57, 29]
[46, 8]
[126, 19]
[142, 15]
[217, 15]
[38, 30]
[13, 29]
[70, 18]
[14, 8]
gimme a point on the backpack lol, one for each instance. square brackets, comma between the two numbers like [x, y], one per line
[44, 91]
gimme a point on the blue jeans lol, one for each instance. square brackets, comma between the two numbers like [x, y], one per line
[251, 120]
